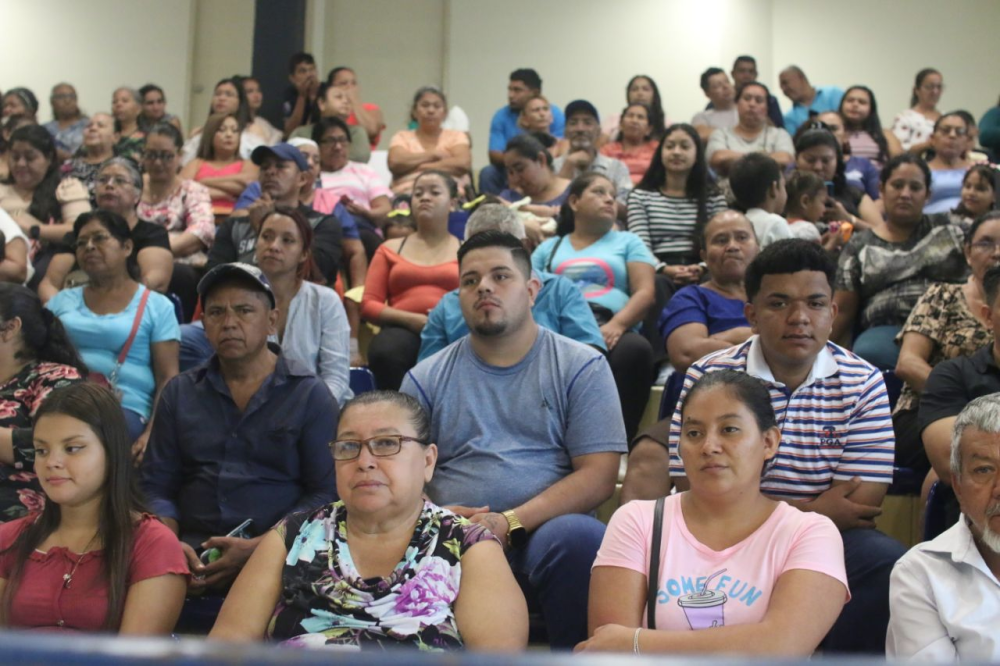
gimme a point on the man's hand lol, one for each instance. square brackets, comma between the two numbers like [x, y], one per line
[580, 159]
[235, 553]
[466, 511]
[683, 275]
[139, 447]
[845, 513]
[197, 580]
[258, 210]
[356, 209]
[495, 523]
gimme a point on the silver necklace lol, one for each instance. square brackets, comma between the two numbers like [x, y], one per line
[68, 578]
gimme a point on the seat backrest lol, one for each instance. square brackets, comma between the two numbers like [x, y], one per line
[362, 380]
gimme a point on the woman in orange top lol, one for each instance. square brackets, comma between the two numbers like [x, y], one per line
[408, 276]
[634, 145]
[219, 166]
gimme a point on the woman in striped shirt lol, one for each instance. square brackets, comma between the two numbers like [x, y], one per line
[672, 200]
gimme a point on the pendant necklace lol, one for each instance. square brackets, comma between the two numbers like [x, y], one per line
[68, 578]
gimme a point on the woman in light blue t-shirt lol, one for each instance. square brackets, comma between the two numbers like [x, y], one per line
[99, 318]
[615, 271]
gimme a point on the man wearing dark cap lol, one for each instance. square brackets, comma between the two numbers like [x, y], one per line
[583, 128]
[242, 437]
[284, 171]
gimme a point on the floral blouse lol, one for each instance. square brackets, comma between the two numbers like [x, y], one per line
[325, 602]
[188, 208]
[943, 315]
[20, 398]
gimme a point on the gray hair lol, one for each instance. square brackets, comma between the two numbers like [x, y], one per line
[133, 170]
[495, 216]
[131, 91]
[983, 414]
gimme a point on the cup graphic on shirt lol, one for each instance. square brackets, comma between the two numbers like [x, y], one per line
[704, 609]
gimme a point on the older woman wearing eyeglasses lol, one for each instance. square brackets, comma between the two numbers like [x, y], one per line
[382, 567]
[119, 190]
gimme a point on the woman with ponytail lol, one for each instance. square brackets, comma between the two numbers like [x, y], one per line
[36, 357]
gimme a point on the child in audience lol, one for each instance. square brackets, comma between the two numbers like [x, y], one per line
[979, 195]
[91, 559]
[806, 204]
[759, 188]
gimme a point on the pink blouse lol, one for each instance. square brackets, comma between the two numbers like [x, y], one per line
[188, 208]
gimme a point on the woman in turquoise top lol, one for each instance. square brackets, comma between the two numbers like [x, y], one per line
[615, 272]
[99, 318]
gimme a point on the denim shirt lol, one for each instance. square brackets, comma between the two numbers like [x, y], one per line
[210, 466]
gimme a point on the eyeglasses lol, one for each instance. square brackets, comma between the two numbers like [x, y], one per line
[334, 140]
[96, 239]
[118, 181]
[161, 155]
[381, 446]
[957, 131]
[986, 245]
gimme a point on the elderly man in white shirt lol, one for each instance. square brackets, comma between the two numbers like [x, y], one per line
[944, 595]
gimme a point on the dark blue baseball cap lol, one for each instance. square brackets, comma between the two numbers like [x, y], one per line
[250, 275]
[285, 152]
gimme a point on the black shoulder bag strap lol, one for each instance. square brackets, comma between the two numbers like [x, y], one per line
[654, 564]
[552, 255]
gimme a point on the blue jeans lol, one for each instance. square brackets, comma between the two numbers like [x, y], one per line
[135, 422]
[553, 569]
[878, 346]
[195, 348]
[861, 627]
[492, 180]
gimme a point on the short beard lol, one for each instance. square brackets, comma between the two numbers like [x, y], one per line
[491, 329]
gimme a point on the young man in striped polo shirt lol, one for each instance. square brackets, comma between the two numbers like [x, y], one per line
[837, 443]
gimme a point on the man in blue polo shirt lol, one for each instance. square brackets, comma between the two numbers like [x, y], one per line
[807, 100]
[559, 306]
[837, 443]
[242, 437]
[524, 84]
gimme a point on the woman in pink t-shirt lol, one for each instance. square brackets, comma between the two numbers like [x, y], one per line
[737, 570]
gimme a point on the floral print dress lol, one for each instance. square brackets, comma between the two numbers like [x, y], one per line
[325, 602]
[20, 398]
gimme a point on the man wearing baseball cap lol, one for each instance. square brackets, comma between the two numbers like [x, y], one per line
[242, 437]
[583, 128]
[284, 172]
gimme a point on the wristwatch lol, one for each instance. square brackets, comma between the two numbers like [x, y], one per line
[35, 232]
[517, 536]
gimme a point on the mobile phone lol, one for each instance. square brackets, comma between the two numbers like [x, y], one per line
[212, 554]
[829, 188]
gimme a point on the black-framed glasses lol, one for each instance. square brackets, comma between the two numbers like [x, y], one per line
[380, 446]
[117, 181]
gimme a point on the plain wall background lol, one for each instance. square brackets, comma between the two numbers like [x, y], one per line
[581, 48]
[97, 45]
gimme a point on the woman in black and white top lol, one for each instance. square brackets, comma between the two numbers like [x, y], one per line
[672, 201]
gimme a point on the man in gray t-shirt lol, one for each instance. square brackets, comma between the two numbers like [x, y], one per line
[529, 432]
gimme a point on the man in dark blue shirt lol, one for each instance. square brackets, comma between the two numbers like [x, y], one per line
[244, 436]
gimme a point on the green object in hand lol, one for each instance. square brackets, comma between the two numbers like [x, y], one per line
[211, 555]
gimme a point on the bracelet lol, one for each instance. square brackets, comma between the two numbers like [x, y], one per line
[635, 641]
